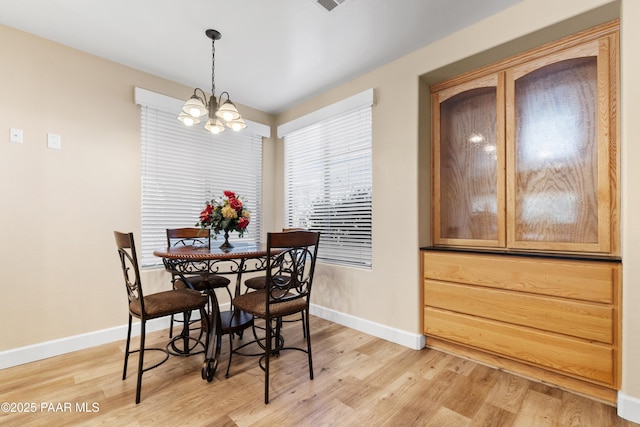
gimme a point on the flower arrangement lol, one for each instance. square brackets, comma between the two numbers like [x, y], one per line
[226, 213]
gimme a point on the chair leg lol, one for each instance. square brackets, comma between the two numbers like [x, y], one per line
[230, 354]
[266, 359]
[171, 327]
[308, 335]
[276, 347]
[140, 361]
[126, 351]
[186, 316]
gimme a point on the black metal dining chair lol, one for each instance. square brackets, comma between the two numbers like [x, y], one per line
[152, 306]
[289, 278]
[260, 282]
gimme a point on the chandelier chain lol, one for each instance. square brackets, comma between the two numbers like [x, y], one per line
[213, 67]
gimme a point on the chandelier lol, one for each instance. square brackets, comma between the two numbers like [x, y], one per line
[221, 112]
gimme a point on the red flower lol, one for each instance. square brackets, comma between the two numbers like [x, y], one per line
[236, 204]
[205, 215]
[242, 223]
[229, 194]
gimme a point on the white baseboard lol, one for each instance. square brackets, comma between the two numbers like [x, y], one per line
[35, 352]
[398, 336]
[628, 407]
[43, 350]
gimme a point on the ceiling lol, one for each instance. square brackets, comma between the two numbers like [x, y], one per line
[273, 54]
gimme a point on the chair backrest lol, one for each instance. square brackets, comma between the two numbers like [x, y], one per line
[189, 237]
[290, 270]
[129, 264]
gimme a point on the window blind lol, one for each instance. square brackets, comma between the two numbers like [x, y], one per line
[183, 167]
[328, 185]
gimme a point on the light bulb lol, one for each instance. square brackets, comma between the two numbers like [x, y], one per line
[187, 120]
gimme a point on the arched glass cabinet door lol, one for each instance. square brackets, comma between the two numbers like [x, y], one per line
[558, 165]
[468, 163]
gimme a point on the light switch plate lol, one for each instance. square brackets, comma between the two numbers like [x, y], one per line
[15, 135]
[54, 141]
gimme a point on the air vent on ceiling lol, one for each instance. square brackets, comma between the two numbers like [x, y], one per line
[329, 5]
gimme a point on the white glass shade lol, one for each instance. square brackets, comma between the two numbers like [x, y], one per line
[187, 119]
[237, 124]
[194, 107]
[228, 112]
[214, 126]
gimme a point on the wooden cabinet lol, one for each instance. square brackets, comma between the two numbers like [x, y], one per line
[524, 271]
[525, 151]
[469, 163]
[555, 319]
[559, 163]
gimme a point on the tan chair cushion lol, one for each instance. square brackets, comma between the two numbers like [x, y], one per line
[169, 302]
[254, 303]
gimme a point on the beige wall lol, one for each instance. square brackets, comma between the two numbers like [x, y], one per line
[57, 285]
[58, 208]
[390, 293]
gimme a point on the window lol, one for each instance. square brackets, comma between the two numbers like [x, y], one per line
[183, 167]
[328, 178]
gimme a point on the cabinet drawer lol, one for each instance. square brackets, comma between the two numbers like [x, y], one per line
[569, 317]
[580, 280]
[572, 356]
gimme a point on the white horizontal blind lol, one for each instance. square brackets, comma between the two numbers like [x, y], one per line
[183, 167]
[328, 185]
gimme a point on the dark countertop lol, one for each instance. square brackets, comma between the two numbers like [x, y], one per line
[512, 252]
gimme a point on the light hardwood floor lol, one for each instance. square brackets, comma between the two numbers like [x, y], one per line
[359, 380]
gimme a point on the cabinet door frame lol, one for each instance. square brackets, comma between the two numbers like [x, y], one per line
[601, 50]
[494, 80]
